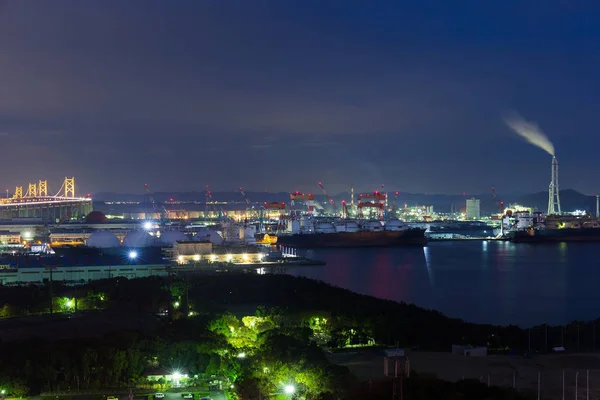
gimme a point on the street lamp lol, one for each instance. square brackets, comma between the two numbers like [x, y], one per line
[289, 389]
[133, 255]
[176, 378]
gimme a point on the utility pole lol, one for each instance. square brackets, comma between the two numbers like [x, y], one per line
[51, 293]
[587, 384]
[187, 295]
[563, 384]
[402, 387]
[546, 337]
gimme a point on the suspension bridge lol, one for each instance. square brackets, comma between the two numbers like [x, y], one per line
[38, 202]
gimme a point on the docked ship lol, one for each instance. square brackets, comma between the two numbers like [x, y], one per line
[555, 235]
[307, 233]
[440, 230]
[556, 229]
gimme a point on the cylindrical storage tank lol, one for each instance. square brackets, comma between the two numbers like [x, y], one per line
[137, 238]
[324, 227]
[171, 237]
[103, 240]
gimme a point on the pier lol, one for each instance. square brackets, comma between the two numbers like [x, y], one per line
[261, 268]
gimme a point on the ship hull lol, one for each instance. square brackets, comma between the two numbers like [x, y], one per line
[556, 235]
[408, 237]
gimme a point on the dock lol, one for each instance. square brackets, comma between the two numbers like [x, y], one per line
[261, 268]
[458, 239]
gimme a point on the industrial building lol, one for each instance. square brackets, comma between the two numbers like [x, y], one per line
[77, 274]
[473, 211]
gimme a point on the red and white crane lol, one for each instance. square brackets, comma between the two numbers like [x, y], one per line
[329, 198]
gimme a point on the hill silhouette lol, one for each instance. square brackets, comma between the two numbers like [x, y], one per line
[570, 199]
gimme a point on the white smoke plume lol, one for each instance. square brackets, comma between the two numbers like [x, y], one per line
[530, 132]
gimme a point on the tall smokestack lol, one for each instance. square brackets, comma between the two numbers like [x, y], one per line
[553, 197]
[598, 206]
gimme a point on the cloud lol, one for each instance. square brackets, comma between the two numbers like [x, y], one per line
[261, 146]
[156, 87]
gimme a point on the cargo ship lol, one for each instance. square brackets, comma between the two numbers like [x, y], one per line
[440, 230]
[314, 233]
[544, 235]
[556, 229]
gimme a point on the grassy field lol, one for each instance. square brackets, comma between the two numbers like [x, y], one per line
[500, 370]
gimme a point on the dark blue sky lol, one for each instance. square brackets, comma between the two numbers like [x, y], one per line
[281, 94]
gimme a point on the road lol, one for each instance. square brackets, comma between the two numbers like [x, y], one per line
[168, 396]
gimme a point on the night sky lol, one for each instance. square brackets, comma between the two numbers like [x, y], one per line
[281, 94]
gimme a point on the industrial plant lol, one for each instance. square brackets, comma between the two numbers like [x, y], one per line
[61, 236]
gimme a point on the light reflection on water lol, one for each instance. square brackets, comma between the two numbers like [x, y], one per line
[489, 281]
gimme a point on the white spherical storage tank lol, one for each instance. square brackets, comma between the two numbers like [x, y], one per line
[103, 240]
[138, 238]
[172, 237]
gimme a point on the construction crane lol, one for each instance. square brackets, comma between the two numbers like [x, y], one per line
[394, 207]
[376, 200]
[250, 210]
[159, 208]
[221, 215]
[308, 199]
[248, 202]
[345, 213]
[281, 221]
[500, 204]
[329, 198]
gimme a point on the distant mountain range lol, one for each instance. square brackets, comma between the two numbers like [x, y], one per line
[570, 199]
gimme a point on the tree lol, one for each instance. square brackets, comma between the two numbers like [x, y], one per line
[225, 325]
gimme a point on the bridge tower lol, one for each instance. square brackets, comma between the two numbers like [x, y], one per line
[32, 190]
[69, 187]
[43, 189]
[18, 192]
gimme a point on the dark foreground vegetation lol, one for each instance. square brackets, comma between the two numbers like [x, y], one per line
[258, 334]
